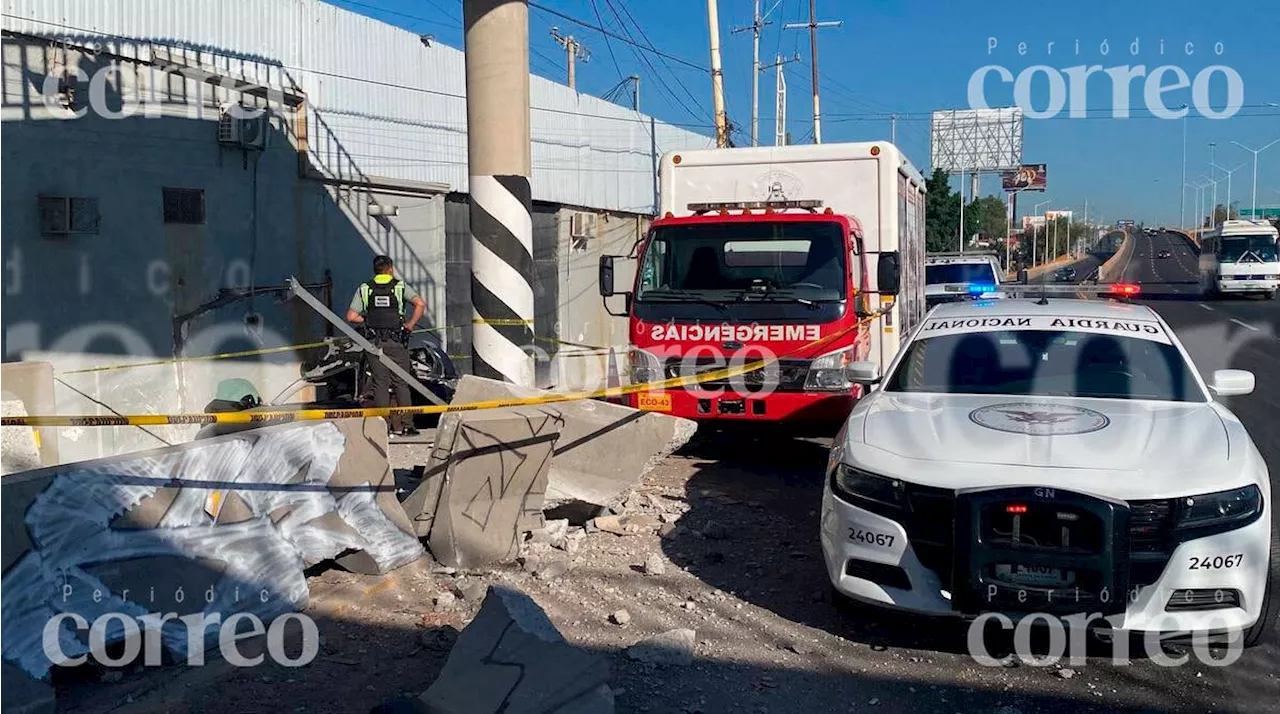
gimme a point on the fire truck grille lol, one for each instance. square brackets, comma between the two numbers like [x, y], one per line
[784, 376]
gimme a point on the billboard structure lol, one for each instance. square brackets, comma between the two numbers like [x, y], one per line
[977, 140]
[1028, 177]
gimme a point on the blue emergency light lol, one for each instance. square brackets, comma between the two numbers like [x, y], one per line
[978, 289]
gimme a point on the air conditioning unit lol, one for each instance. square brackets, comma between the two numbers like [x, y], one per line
[245, 133]
[582, 225]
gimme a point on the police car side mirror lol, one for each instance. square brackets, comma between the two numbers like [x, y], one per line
[1023, 276]
[1232, 382]
[606, 276]
[862, 373]
[888, 274]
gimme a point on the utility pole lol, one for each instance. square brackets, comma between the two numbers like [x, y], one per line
[812, 25]
[498, 165]
[1229, 172]
[893, 129]
[635, 92]
[574, 51]
[717, 77]
[757, 22]
[1182, 197]
[780, 101]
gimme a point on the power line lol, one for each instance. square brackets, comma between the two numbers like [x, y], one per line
[608, 45]
[654, 73]
[645, 37]
[607, 33]
[456, 24]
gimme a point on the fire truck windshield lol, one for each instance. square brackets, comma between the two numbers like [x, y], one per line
[740, 261]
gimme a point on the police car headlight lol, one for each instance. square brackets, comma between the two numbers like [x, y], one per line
[1220, 511]
[854, 484]
[826, 373]
[644, 366]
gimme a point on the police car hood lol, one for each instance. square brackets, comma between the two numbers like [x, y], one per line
[1062, 438]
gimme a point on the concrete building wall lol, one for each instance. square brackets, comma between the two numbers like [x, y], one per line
[109, 295]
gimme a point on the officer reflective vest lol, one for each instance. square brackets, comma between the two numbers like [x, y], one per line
[383, 299]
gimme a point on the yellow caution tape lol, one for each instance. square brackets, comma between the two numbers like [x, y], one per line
[502, 323]
[258, 417]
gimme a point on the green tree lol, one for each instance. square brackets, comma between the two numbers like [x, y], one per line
[941, 213]
[988, 217]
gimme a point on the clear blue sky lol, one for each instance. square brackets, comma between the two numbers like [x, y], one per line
[915, 57]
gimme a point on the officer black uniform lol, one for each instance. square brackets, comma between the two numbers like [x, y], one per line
[380, 306]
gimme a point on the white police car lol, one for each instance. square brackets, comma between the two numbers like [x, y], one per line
[1053, 456]
[957, 277]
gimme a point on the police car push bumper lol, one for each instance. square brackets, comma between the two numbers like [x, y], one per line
[1214, 583]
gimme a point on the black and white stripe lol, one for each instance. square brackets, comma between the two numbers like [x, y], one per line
[502, 278]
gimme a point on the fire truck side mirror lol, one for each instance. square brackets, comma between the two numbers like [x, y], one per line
[888, 274]
[606, 276]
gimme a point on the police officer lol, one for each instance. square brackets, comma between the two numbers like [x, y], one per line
[379, 305]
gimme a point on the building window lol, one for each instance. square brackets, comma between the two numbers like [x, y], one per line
[184, 205]
[67, 215]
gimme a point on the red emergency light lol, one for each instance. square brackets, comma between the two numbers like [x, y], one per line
[1125, 289]
[1016, 508]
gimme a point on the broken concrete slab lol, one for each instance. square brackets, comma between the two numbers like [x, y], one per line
[492, 468]
[512, 659]
[23, 695]
[97, 536]
[604, 449]
[633, 524]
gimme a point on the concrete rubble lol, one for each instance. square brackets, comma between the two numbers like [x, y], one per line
[484, 484]
[19, 450]
[603, 451]
[511, 659]
[196, 527]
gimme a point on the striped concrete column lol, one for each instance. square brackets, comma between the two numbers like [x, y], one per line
[498, 168]
[501, 278]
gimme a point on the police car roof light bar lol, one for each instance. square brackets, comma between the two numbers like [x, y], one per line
[811, 205]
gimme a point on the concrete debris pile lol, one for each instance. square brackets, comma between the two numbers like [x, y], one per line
[603, 450]
[222, 525]
[493, 473]
[511, 658]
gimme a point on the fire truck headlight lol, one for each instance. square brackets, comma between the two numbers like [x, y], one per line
[826, 373]
[644, 366]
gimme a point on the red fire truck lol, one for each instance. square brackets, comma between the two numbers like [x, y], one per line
[810, 254]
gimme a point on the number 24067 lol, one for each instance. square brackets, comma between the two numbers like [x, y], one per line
[880, 540]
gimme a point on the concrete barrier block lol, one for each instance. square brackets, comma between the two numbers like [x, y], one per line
[512, 659]
[604, 449]
[490, 470]
[220, 525]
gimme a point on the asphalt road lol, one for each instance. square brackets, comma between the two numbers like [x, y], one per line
[1236, 333]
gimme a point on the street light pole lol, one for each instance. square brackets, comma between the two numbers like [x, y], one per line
[1255, 153]
[1182, 199]
[1213, 219]
[1229, 172]
[1033, 232]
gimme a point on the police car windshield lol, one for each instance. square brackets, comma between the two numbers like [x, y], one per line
[959, 273]
[1046, 363]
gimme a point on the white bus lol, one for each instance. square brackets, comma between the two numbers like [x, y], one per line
[1240, 257]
